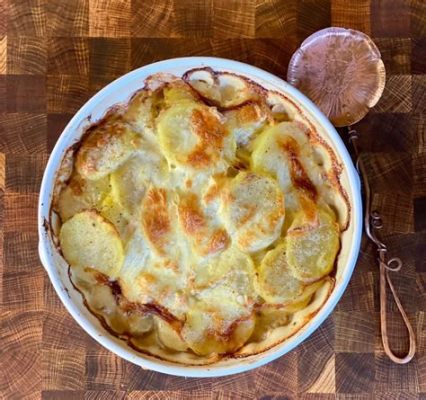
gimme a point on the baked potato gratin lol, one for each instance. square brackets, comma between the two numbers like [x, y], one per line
[202, 219]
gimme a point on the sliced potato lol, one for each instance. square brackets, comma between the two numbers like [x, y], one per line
[192, 135]
[81, 194]
[275, 148]
[105, 148]
[253, 210]
[169, 337]
[207, 332]
[312, 249]
[88, 240]
[111, 210]
[275, 280]
[268, 318]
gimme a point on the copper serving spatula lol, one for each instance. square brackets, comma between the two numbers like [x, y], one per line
[342, 72]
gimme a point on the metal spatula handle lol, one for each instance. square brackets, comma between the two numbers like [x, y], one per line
[372, 223]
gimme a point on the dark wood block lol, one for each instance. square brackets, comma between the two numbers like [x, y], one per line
[419, 171]
[418, 18]
[420, 214]
[2, 94]
[24, 289]
[396, 54]
[66, 93]
[396, 95]
[26, 258]
[26, 55]
[392, 377]
[224, 25]
[391, 18]
[68, 56]
[355, 372]
[26, 93]
[276, 19]
[418, 59]
[63, 395]
[109, 57]
[55, 125]
[22, 133]
[387, 132]
[24, 172]
[67, 18]
[20, 212]
[355, 331]
[26, 18]
[355, 15]
[109, 18]
[306, 25]
[104, 370]
[418, 93]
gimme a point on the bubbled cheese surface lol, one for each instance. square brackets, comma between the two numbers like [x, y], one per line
[195, 219]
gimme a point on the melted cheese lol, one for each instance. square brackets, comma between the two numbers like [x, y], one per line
[199, 229]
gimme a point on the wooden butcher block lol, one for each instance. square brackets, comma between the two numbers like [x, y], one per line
[55, 54]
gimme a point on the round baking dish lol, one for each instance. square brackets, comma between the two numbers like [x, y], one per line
[119, 91]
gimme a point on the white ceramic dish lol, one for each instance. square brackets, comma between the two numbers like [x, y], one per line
[119, 91]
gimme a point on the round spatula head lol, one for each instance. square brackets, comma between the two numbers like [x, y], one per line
[341, 71]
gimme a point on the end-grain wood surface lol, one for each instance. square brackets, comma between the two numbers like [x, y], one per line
[55, 54]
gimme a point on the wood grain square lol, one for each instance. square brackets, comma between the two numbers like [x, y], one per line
[51, 301]
[306, 24]
[418, 18]
[225, 13]
[68, 56]
[2, 171]
[396, 95]
[273, 55]
[3, 55]
[27, 257]
[26, 55]
[20, 212]
[153, 19]
[396, 54]
[26, 18]
[24, 289]
[105, 395]
[55, 125]
[195, 20]
[4, 14]
[62, 369]
[20, 335]
[104, 370]
[391, 18]
[316, 396]
[109, 18]
[109, 57]
[355, 373]
[355, 15]
[387, 132]
[227, 384]
[66, 93]
[316, 359]
[3, 102]
[26, 93]
[392, 377]
[63, 395]
[419, 93]
[67, 18]
[325, 381]
[171, 395]
[389, 171]
[61, 332]
[24, 172]
[22, 133]
[396, 211]
[419, 171]
[418, 59]
[419, 206]
[355, 331]
[276, 19]
[279, 376]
